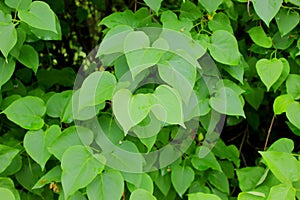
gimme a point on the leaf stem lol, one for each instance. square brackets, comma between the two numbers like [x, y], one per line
[269, 133]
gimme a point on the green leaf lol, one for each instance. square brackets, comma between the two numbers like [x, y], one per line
[6, 194]
[284, 74]
[226, 101]
[210, 6]
[79, 167]
[200, 195]
[224, 48]
[96, 89]
[7, 154]
[141, 194]
[169, 105]
[27, 112]
[219, 181]
[282, 191]
[74, 135]
[220, 21]
[286, 21]
[249, 177]
[120, 18]
[269, 71]
[163, 183]
[57, 103]
[237, 71]
[48, 35]
[7, 183]
[39, 16]
[109, 185]
[286, 173]
[182, 178]
[267, 14]
[293, 114]
[54, 175]
[190, 11]
[251, 196]
[259, 37]
[254, 96]
[138, 181]
[36, 144]
[203, 163]
[6, 70]
[18, 4]
[170, 21]
[281, 103]
[282, 145]
[29, 57]
[293, 85]
[153, 4]
[8, 35]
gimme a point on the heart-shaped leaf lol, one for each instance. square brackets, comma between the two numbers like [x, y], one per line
[267, 9]
[293, 85]
[6, 70]
[286, 21]
[182, 178]
[284, 74]
[293, 114]
[269, 71]
[210, 6]
[153, 4]
[259, 37]
[29, 57]
[141, 194]
[6, 156]
[281, 103]
[8, 35]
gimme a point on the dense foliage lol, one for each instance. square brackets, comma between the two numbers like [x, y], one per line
[140, 116]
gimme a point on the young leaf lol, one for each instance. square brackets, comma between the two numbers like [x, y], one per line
[6, 194]
[286, 173]
[182, 178]
[79, 167]
[282, 145]
[6, 70]
[224, 48]
[259, 37]
[8, 35]
[266, 14]
[286, 21]
[269, 71]
[281, 103]
[141, 194]
[36, 144]
[293, 114]
[29, 57]
[210, 6]
[108, 185]
[293, 85]
[27, 112]
[39, 16]
[153, 4]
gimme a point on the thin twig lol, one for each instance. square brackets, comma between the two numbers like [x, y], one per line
[248, 8]
[135, 5]
[269, 133]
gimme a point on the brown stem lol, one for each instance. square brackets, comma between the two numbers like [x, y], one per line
[269, 133]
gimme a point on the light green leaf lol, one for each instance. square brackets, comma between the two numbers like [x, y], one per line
[251, 196]
[6, 70]
[169, 105]
[284, 74]
[163, 183]
[27, 112]
[293, 114]
[18, 4]
[282, 145]
[7, 154]
[39, 16]
[141, 194]
[96, 88]
[286, 173]
[48, 35]
[8, 35]
[219, 181]
[286, 21]
[224, 48]
[269, 71]
[138, 181]
[190, 11]
[249, 177]
[259, 37]
[154, 4]
[182, 178]
[79, 167]
[267, 14]
[220, 21]
[74, 135]
[109, 185]
[57, 103]
[140, 105]
[6, 194]
[210, 6]
[226, 101]
[120, 18]
[293, 85]
[29, 57]
[203, 163]
[170, 21]
[200, 195]
[9, 184]
[54, 175]
[36, 144]
[281, 103]
[282, 191]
